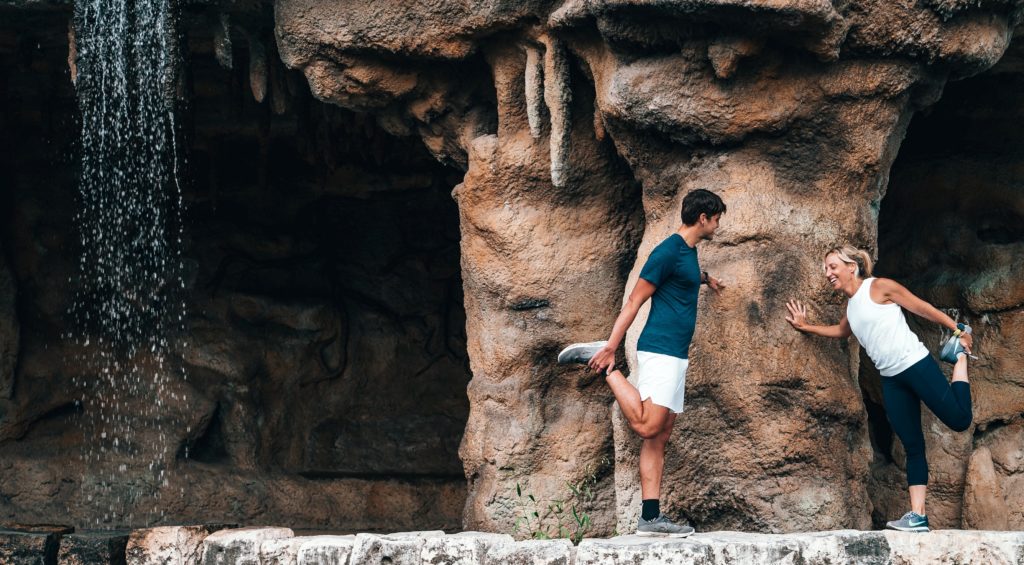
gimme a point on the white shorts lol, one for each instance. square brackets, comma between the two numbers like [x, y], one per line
[662, 378]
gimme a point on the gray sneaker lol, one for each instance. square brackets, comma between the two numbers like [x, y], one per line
[662, 526]
[580, 352]
[951, 350]
[910, 522]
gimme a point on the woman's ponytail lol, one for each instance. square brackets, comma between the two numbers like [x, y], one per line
[851, 255]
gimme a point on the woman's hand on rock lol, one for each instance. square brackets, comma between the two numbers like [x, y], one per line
[797, 314]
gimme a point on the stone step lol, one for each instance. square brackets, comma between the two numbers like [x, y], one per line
[28, 548]
[93, 548]
[199, 545]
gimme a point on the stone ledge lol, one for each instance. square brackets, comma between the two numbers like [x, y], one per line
[471, 548]
[279, 546]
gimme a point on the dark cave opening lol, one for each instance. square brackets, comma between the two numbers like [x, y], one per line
[951, 229]
[325, 329]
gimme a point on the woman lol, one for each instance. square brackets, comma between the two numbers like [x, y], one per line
[874, 313]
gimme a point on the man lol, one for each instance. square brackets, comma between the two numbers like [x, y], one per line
[671, 278]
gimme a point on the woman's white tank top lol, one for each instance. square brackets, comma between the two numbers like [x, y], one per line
[882, 331]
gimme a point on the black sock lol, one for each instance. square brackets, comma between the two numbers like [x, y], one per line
[650, 509]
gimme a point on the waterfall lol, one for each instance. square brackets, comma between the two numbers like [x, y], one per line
[129, 279]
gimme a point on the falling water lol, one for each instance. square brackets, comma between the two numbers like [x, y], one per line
[129, 302]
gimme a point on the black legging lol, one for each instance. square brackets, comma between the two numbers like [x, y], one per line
[924, 381]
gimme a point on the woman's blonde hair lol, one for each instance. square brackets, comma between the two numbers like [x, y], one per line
[852, 256]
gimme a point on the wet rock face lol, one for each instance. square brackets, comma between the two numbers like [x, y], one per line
[9, 330]
[324, 341]
[795, 121]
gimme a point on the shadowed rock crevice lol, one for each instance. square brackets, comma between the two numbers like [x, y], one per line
[949, 229]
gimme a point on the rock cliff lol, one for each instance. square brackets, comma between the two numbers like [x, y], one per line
[569, 133]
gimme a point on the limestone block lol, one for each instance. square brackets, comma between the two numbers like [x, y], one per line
[93, 548]
[844, 546]
[532, 552]
[948, 547]
[395, 549]
[168, 545]
[23, 548]
[836, 547]
[417, 534]
[465, 548]
[638, 549]
[739, 547]
[283, 551]
[239, 546]
[325, 550]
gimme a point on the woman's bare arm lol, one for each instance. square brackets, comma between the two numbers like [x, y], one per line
[899, 294]
[798, 319]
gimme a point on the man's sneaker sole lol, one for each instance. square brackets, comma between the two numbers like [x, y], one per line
[580, 352]
[663, 535]
[908, 529]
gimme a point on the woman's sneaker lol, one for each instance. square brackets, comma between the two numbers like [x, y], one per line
[910, 522]
[580, 352]
[662, 526]
[951, 349]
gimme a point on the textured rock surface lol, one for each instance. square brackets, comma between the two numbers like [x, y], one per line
[325, 349]
[239, 546]
[570, 132]
[964, 151]
[472, 548]
[984, 502]
[795, 123]
[167, 545]
[532, 552]
[8, 329]
[322, 550]
[399, 549]
[463, 548]
[28, 548]
[93, 548]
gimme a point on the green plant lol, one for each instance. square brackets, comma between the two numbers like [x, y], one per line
[565, 517]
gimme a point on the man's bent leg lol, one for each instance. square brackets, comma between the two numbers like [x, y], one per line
[652, 464]
[645, 418]
[652, 460]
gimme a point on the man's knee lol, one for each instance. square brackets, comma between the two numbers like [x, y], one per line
[647, 430]
[659, 430]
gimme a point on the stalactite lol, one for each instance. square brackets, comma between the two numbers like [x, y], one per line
[599, 131]
[257, 69]
[278, 89]
[222, 42]
[72, 53]
[534, 90]
[558, 97]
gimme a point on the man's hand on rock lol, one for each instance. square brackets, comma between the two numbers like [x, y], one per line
[715, 284]
[603, 360]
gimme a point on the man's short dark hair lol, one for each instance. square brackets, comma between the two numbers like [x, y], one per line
[700, 201]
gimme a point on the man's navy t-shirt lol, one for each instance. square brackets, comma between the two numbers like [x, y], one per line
[673, 269]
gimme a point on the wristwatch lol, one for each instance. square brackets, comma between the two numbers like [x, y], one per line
[705, 278]
[961, 328]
